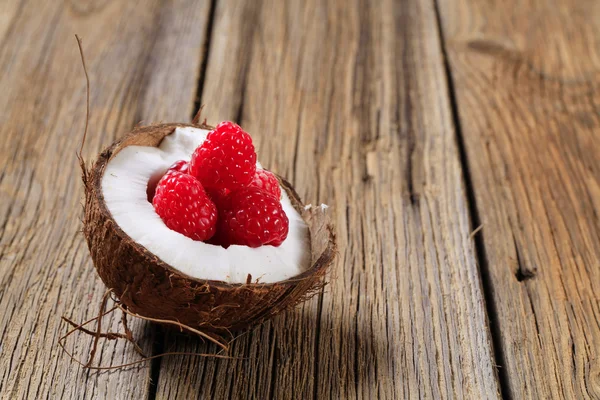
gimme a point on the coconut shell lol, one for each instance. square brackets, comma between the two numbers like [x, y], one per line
[152, 288]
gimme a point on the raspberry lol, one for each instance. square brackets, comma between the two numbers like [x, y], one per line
[180, 166]
[226, 159]
[252, 217]
[266, 181]
[183, 205]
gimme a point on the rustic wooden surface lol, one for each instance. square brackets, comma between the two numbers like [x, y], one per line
[526, 80]
[345, 118]
[414, 121]
[45, 270]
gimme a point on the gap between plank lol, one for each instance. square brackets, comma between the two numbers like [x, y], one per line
[316, 348]
[480, 253]
[206, 53]
[158, 346]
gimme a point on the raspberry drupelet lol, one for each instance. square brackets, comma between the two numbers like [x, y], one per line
[267, 181]
[180, 166]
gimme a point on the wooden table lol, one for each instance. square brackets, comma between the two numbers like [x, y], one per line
[416, 121]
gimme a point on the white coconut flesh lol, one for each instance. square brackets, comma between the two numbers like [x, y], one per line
[124, 186]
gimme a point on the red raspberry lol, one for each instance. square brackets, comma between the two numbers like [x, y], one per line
[267, 181]
[180, 166]
[226, 159]
[183, 205]
[251, 217]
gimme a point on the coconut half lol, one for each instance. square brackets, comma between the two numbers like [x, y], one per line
[164, 275]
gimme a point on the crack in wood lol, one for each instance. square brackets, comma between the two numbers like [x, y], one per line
[206, 53]
[158, 347]
[480, 251]
[316, 344]
[523, 273]
[274, 358]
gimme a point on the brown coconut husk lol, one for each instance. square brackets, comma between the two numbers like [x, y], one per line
[153, 289]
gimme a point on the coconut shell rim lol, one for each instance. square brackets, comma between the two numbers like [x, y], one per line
[93, 183]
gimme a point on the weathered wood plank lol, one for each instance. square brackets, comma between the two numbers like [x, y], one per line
[143, 64]
[526, 80]
[349, 101]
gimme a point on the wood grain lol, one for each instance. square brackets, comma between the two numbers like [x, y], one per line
[526, 76]
[349, 101]
[143, 64]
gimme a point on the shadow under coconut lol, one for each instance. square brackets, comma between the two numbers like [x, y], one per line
[296, 355]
